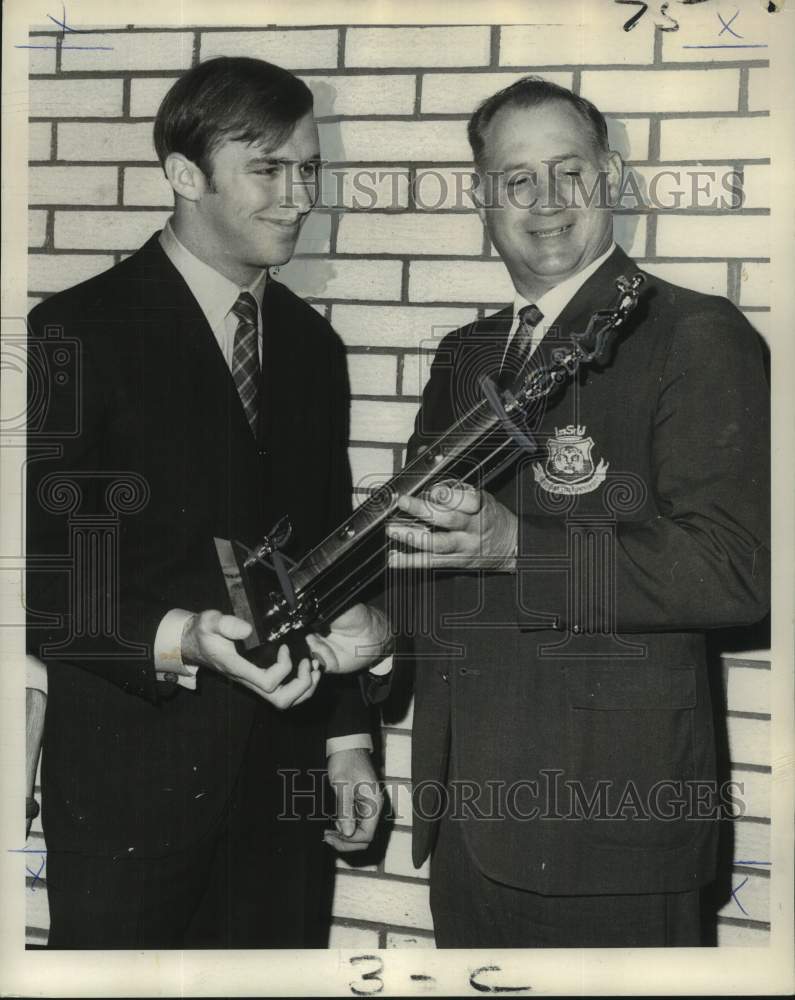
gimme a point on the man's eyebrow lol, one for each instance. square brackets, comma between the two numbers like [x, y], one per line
[558, 158]
[259, 161]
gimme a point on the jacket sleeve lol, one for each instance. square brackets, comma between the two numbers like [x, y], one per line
[704, 560]
[96, 619]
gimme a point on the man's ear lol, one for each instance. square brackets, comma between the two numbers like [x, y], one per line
[615, 172]
[185, 177]
[478, 195]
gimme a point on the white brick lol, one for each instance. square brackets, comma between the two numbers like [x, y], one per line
[315, 235]
[711, 279]
[397, 326]
[382, 901]
[755, 285]
[386, 47]
[738, 936]
[397, 755]
[412, 233]
[105, 230]
[460, 93]
[54, 272]
[376, 142]
[397, 940]
[759, 89]
[147, 186]
[146, 94]
[344, 279]
[391, 94]
[399, 790]
[37, 229]
[72, 185]
[441, 188]
[39, 140]
[75, 98]
[752, 790]
[593, 40]
[752, 845]
[41, 60]
[629, 137]
[398, 857]
[757, 180]
[485, 282]
[416, 372]
[352, 937]
[749, 740]
[369, 462]
[364, 188]
[748, 689]
[714, 236]
[715, 139]
[131, 51]
[100, 141]
[699, 26]
[750, 900]
[761, 322]
[629, 232]
[662, 90]
[671, 188]
[300, 49]
[382, 421]
[373, 375]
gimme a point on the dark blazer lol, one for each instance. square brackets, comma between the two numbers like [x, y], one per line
[588, 665]
[129, 764]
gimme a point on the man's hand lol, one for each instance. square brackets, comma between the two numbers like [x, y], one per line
[358, 638]
[477, 532]
[359, 800]
[209, 640]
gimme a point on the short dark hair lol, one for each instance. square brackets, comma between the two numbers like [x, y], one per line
[530, 92]
[231, 97]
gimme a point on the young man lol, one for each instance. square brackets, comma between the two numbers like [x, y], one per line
[570, 738]
[210, 401]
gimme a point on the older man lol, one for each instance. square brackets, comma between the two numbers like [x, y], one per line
[562, 724]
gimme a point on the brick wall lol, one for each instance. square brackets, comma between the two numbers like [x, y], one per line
[408, 261]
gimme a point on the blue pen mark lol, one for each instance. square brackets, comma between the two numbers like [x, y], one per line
[62, 24]
[750, 864]
[727, 25]
[36, 875]
[724, 46]
[735, 890]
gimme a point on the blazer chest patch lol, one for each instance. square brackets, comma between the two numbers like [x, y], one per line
[569, 467]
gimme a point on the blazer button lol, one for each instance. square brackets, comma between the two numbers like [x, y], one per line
[262, 452]
[576, 629]
[445, 676]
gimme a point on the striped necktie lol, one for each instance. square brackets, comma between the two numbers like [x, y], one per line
[518, 352]
[245, 356]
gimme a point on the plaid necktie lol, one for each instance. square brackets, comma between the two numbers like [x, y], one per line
[245, 356]
[518, 352]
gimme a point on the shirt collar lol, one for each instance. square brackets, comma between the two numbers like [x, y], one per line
[214, 292]
[553, 302]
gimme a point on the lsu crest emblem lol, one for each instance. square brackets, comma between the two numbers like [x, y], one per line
[569, 467]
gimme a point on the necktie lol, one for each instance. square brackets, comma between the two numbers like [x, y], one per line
[245, 356]
[519, 348]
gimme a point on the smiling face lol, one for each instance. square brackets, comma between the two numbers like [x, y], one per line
[248, 215]
[538, 166]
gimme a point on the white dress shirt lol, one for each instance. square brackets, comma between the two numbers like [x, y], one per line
[553, 302]
[216, 295]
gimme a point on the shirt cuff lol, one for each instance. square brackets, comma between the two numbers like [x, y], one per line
[356, 741]
[168, 649]
[382, 668]
[35, 674]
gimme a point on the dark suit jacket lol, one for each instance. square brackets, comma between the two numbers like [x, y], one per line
[126, 768]
[590, 660]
